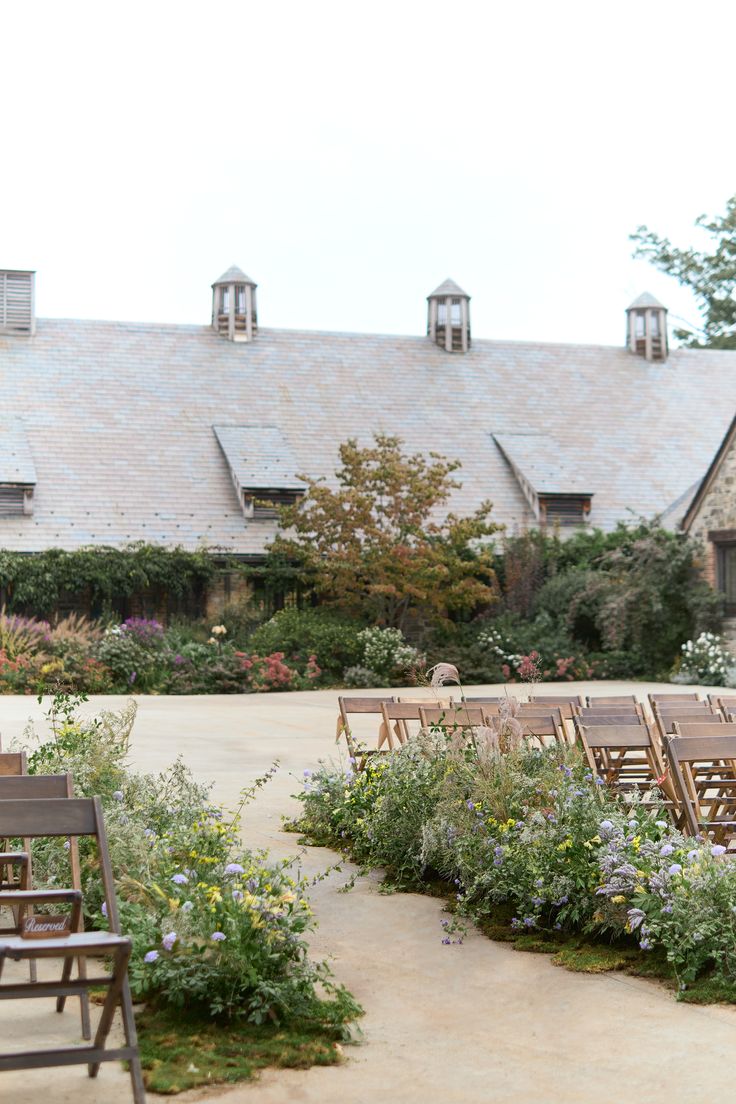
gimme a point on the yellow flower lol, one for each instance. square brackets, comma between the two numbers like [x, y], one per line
[173, 903]
[619, 899]
[564, 845]
[636, 843]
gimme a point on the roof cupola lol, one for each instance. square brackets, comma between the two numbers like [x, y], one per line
[646, 328]
[234, 306]
[448, 317]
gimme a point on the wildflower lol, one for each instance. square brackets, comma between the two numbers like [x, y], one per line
[619, 899]
[661, 823]
[645, 944]
[537, 901]
[218, 936]
[675, 869]
[719, 849]
[539, 883]
[67, 845]
[118, 795]
[150, 956]
[636, 918]
[692, 856]
[103, 910]
[169, 940]
[234, 868]
[599, 782]
[667, 849]
[187, 906]
[179, 879]
[218, 630]
[605, 826]
[588, 777]
[446, 941]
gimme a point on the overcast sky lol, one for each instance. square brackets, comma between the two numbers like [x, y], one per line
[350, 156]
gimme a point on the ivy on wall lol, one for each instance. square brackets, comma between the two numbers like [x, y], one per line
[38, 582]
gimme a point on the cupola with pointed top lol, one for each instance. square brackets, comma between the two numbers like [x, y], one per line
[234, 306]
[448, 317]
[646, 328]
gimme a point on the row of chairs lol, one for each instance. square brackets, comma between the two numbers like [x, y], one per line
[685, 745]
[44, 806]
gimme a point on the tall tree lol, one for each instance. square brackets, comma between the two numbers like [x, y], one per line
[711, 276]
[377, 546]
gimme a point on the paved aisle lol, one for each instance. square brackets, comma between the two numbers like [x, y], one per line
[471, 1024]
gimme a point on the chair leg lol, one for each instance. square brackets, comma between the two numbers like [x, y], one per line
[131, 1038]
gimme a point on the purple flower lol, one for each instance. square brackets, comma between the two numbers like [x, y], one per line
[537, 901]
[187, 906]
[118, 795]
[178, 660]
[218, 936]
[103, 910]
[645, 944]
[675, 869]
[446, 941]
[470, 805]
[719, 849]
[169, 940]
[179, 879]
[693, 856]
[150, 956]
[667, 849]
[237, 896]
[599, 782]
[605, 826]
[636, 917]
[133, 677]
[234, 868]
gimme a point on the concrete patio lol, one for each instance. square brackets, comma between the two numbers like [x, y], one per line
[460, 1024]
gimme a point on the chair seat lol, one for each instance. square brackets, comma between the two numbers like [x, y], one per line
[84, 943]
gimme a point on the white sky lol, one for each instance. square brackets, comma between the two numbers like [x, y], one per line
[349, 156]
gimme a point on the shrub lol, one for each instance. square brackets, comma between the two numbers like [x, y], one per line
[386, 652]
[301, 633]
[706, 660]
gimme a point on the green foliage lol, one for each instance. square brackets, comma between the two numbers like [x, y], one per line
[301, 633]
[373, 549]
[102, 575]
[215, 928]
[711, 276]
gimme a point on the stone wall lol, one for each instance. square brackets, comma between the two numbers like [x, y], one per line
[717, 512]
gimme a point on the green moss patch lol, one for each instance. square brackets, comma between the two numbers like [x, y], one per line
[180, 1052]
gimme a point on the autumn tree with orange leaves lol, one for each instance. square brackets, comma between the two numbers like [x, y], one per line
[378, 547]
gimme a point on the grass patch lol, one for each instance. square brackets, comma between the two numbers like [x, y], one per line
[179, 1052]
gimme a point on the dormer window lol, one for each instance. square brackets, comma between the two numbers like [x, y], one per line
[564, 510]
[234, 313]
[262, 468]
[448, 318]
[261, 505]
[646, 328]
[17, 470]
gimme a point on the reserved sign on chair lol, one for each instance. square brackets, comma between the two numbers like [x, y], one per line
[45, 927]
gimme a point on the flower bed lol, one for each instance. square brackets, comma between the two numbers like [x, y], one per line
[528, 835]
[216, 929]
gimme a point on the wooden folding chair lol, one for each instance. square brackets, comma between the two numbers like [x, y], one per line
[659, 699]
[70, 818]
[568, 703]
[541, 726]
[612, 717]
[13, 763]
[665, 721]
[703, 770]
[626, 757]
[396, 716]
[33, 788]
[357, 705]
[714, 726]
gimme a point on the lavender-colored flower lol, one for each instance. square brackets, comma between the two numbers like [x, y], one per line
[169, 940]
[539, 883]
[599, 782]
[446, 941]
[537, 901]
[218, 936]
[133, 676]
[717, 850]
[645, 944]
[605, 826]
[675, 869]
[667, 849]
[103, 909]
[661, 823]
[636, 917]
[118, 795]
[693, 856]
[307, 774]
[187, 906]
[67, 845]
[150, 956]
[588, 777]
[179, 879]
[470, 805]
[529, 922]
[234, 868]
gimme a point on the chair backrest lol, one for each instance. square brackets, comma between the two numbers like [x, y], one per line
[703, 771]
[673, 697]
[452, 716]
[714, 726]
[722, 701]
[612, 699]
[360, 705]
[569, 706]
[624, 756]
[62, 816]
[495, 701]
[33, 787]
[683, 707]
[13, 763]
[606, 720]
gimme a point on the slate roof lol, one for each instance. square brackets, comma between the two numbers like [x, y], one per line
[550, 466]
[646, 299]
[259, 457]
[234, 275]
[119, 421]
[448, 287]
[16, 460]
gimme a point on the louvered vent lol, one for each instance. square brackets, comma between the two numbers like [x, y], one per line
[261, 505]
[564, 509]
[16, 302]
[12, 501]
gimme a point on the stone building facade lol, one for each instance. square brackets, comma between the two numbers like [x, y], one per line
[711, 520]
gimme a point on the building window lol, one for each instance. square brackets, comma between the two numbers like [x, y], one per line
[564, 510]
[262, 505]
[726, 575]
[240, 300]
[455, 315]
[13, 501]
[640, 324]
[225, 301]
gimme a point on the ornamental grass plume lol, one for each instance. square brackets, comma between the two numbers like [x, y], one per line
[442, 673]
